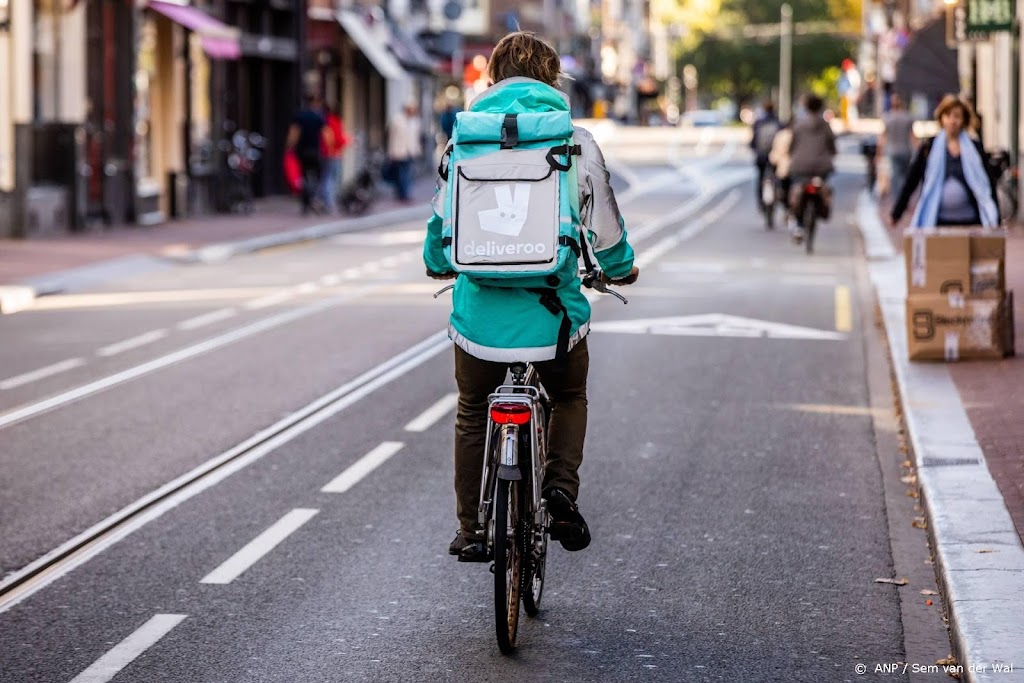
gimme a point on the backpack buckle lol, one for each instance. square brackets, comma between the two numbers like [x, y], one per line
[509, 131]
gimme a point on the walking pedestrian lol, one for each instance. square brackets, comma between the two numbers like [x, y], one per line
[957, 183]
[897, 143]
[307, 130]
[331, 154]
[404, 147]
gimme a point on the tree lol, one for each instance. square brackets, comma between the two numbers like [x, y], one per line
[735, 47]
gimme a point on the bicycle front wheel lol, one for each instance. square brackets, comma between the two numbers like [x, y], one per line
[508, 561]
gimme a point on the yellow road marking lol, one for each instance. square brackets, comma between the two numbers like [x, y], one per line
[828, 409]
[844, 314]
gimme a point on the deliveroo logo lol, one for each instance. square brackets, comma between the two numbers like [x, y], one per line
[510, 216]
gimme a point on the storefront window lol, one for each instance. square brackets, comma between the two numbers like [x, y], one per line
[145, 74]
[200, 141]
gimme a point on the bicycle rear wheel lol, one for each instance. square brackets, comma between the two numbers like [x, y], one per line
[810, 224]
[508, 561]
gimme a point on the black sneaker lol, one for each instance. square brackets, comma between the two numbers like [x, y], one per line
[567, 524]
[469, 546]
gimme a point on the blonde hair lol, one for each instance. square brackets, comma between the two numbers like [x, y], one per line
[522, 53]
[951, 102]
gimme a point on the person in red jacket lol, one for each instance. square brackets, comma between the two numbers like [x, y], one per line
[331, 151]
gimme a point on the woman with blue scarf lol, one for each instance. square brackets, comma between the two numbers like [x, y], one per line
[958, 189]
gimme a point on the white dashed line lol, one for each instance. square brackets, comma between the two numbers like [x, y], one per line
[207, 319]
[41, 373]
[259, 546]
[268, 301]
[108, 666]
[330, 280]
[307, 288]
[362, 467]
[432, 414]
[133, 343]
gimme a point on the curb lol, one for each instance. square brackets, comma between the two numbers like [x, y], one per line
[978, 553]
[21, 295]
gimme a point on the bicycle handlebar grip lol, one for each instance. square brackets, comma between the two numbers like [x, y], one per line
[628, 280]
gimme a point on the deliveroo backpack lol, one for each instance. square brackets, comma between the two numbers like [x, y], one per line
[512, 196]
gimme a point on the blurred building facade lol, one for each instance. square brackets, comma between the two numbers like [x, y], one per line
[124, 111]
[114, 112]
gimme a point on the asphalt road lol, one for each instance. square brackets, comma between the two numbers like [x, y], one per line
[731, 480]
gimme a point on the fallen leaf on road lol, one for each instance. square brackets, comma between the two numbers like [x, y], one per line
[909, 479]
[895, 582]
[928, 591]
[928, 602]
[948, 661]
[919, 523]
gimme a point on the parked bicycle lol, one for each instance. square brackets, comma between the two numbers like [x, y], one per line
[244, 151]
[360, 193]
[512, 511]
[1007, 184]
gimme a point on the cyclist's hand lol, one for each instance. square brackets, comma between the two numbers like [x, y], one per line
[627, 280]
[450, 275]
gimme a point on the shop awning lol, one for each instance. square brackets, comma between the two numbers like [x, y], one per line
[410, 52]
[376, 51]
[928, 66]
[219, 40]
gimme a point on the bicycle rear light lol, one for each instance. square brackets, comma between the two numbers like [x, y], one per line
[510, 413]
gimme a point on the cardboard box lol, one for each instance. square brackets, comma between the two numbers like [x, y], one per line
[937, 263]
[944, 260]
[1009, 327]
[987, 278]
[955, 327]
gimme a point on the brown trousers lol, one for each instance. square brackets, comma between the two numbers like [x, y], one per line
[566, 384]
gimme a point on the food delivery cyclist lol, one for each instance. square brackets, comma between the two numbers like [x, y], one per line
[493, 326]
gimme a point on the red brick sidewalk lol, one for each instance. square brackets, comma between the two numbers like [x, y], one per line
[993, 393]
[21, 260]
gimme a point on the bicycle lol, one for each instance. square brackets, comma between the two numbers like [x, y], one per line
[512, 510]
[768, 197]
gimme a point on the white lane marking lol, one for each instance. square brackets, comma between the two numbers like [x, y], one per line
[330, 280]
[666, 245]
[434, 413]
[255, 549]
[362, 467]
[207, 319]
[125, 652]
[215, 470]
[268, 301]
[33, 409]
[133, 343]
[307, 288]
[41, 373]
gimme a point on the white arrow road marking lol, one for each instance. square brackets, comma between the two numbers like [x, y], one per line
[41, 373]
[259, 546]
[715, 325]
[432, 414]
[362, 467]
[125, 652]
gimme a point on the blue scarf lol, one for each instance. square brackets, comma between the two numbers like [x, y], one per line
[927, 213]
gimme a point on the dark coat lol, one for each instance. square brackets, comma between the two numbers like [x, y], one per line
[915, 176]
